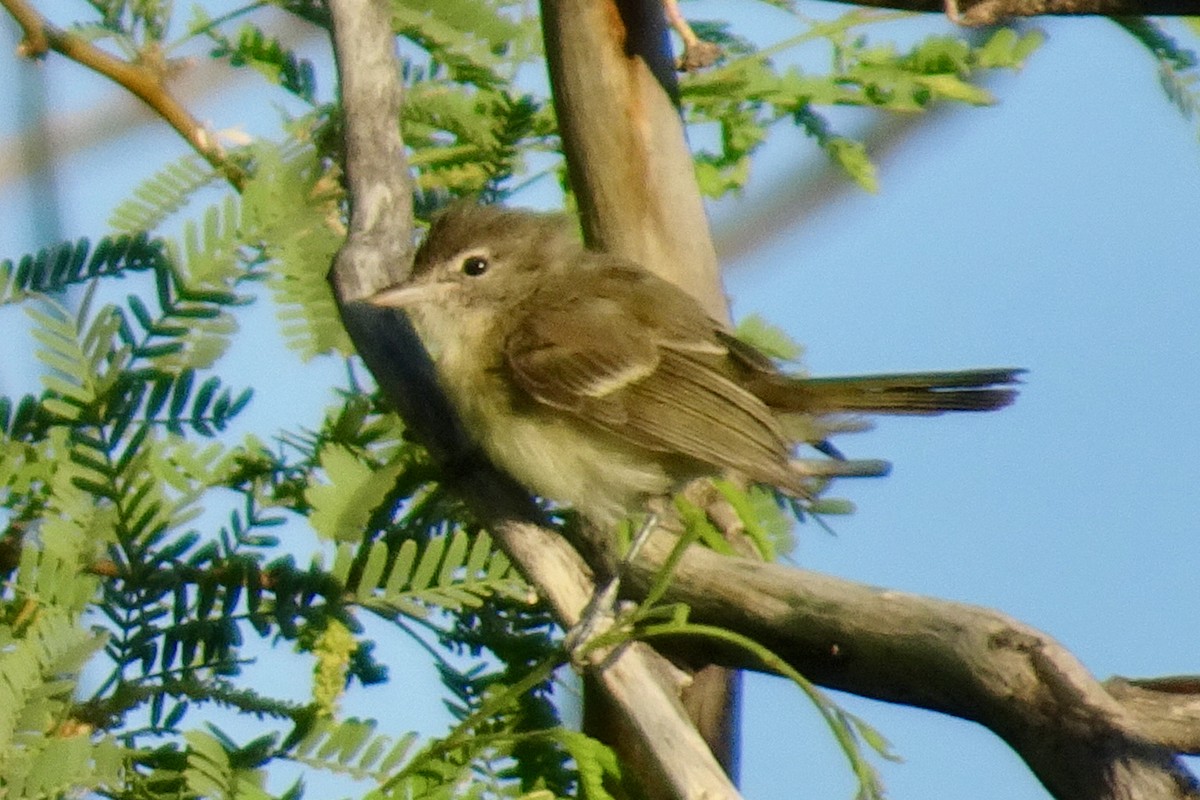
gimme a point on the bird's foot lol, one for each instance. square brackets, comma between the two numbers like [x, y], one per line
[603, 611]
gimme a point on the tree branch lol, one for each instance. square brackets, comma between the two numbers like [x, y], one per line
[992, 12]
[146, 79]
[1167, 709]
[1080, 737]
[377, 252]
[632, 173]
[631, 170]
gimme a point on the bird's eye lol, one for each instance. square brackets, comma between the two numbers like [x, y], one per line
[475, 266]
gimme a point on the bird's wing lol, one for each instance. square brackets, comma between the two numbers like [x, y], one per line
[637, 357]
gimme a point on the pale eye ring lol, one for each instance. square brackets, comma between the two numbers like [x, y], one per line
[474, 266]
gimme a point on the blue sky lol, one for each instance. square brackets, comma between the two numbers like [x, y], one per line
[1056, 231]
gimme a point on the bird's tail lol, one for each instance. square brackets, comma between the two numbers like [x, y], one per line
[904, 393]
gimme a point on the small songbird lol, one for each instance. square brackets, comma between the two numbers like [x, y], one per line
[599, 385]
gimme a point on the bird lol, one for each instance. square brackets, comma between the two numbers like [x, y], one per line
[599, 386]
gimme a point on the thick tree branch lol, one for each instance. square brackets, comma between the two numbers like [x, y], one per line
[380, 242]
[1167, 709]
[630, 168]
[145, 79]
[992, 12]
[377, 253]
[378, 250]
[1082, 739]
[633, 176]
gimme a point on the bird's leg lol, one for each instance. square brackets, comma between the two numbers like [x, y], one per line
[600, 612]
[640, 539]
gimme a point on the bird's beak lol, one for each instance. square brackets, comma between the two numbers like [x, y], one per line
[405, 295]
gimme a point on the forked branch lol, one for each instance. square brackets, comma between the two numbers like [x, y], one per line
[1082, 738]
[146, 79]
[375, 254]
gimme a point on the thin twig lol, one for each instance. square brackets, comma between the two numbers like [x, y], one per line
[697, 53]
[141, 79]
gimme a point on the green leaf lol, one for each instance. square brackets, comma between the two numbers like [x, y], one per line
[953, 88]
[291, 208]
[452, 562]
[267, 55]
[162, 195]
[427, 567]
[342, 507]
[372, 570]
[852, 156]
[772, 340]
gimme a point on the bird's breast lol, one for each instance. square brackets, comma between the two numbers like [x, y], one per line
[552, 452]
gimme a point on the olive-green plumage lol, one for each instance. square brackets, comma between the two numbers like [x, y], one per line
[597, 384]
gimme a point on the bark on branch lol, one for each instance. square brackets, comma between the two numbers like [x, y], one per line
[1082, 738]
[146, 78]
[630, 167]
[992, 12]
[378, 252]
[614, 88]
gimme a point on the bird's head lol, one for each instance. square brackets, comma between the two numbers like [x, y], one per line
[479, 258]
